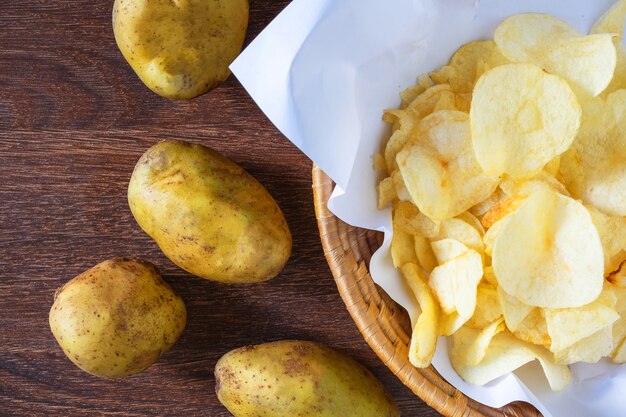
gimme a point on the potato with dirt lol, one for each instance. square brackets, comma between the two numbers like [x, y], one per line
[296, 378]
[117, 318]
[180, 48]
[208, 215]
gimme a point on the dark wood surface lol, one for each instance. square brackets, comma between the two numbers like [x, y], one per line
[74, 119]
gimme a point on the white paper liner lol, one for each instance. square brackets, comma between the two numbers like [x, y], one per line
[324, 70]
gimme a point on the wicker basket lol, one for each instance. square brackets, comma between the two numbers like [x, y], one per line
[384, 324]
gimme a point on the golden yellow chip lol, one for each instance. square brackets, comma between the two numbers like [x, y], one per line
[402, 248]
[440, 170]
[613, 22]
[470, 345]
[468, 64]
[514, 310]
[487, 308]
[463, 232]
[447, 249]
[570, 325]
[612, 231]
[594, 168]
[481, 208]
[409, 219]
[505, 354]
[386, 193]
[586, 62]
[548, 252]
[472, 220]
[521, 119]
[425, 331]
[424, 252]
[533, 329]
[454, 283]
[590, 349]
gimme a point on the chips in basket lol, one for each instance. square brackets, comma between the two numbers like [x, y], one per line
[506, 174]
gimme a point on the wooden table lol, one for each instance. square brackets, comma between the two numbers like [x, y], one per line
[74, 119]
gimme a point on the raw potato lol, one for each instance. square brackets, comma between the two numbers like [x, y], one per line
[180, 48]
[117, 318]
[208, 215]
[295, 378]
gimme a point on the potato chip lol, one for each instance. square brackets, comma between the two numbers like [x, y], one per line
[454, 283]
[425, 256]
[505, 354]
[409, 219]
[619, 327]
[521, 118]
[487, 308]
[467, 65]
[386, 193]
[613, 22]
[463, 232]
[450, 323]
[481, 208]
[612, 231]
[402, 248]
[501, 209]
[401, 191]
[586, 62]
[491, 234]
[447, 249]
[618, 277]
[439, 167]
[514, 310]
[425, 331]
[594, 168]
[472, 220]
[470, 345]
[570, 325]
[533, 329]
[590, 349]
[490, 276]
[424, 82]
[548, 252]
[523, 188]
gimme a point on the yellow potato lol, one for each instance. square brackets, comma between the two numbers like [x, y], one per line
[297, 378]
[180, 48]
[521, 118]
[594, 168]
[586, 62]
[548, 252]
[117, 318]
[208, 215]
[439, 167]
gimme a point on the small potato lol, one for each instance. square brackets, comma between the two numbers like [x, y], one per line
[180, 48]
[117, 318]
[295, 378]
[208, 215]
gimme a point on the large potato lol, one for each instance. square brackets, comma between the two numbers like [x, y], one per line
[117, 318]
[207, 214]
[180, 48]
[294, 378]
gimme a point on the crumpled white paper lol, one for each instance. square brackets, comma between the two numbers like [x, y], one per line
[324, 70]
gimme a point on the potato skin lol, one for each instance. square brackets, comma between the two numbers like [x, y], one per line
[208, 215]
[117, 318]
[298, 378]
[180, 48]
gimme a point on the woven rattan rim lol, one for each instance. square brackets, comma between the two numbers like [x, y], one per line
[384, 324]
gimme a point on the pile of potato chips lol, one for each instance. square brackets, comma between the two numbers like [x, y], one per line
[506, 171]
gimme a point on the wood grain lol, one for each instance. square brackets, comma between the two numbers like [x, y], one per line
[74, 119]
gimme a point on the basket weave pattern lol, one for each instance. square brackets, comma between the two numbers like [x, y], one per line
[383, 323]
